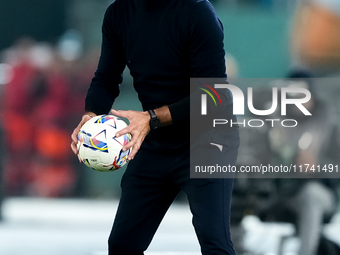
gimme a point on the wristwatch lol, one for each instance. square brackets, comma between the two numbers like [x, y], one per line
[154, 121]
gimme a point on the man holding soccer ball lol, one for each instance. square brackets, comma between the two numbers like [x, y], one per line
[164, 43]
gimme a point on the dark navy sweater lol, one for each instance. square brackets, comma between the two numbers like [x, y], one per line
[163, 43]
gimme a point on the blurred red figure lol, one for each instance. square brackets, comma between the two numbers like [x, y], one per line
[54, 175]
[17, 105]
[34, 105]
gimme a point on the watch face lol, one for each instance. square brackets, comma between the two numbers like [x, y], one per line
[155, 123]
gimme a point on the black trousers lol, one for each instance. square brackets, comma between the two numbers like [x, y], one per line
[151, 182]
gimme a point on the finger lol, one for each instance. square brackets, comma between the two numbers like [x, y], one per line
[137, 138]
[74, 135]
[135, 149]
[85, 119]
[75, 132]
[135, 144]
[123, 131]
[120, 113]
[130, 144]
[74, 148]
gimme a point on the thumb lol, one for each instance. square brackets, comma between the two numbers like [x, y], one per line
[86, 117]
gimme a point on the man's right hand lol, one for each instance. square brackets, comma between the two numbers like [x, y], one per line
[74, 135]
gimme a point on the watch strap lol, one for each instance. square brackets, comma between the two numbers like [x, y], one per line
[152, 114]
[154, 121]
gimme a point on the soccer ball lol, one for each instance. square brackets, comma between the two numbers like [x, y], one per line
[97, 145]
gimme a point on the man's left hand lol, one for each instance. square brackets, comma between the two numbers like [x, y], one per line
[139, 127]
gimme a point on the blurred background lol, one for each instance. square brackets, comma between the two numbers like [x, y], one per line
[51, 204]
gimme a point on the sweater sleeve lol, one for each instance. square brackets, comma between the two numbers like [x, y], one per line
[104, 87]
[205, 52]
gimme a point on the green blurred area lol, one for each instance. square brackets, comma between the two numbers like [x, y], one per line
[258, 40]
[42, 20]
